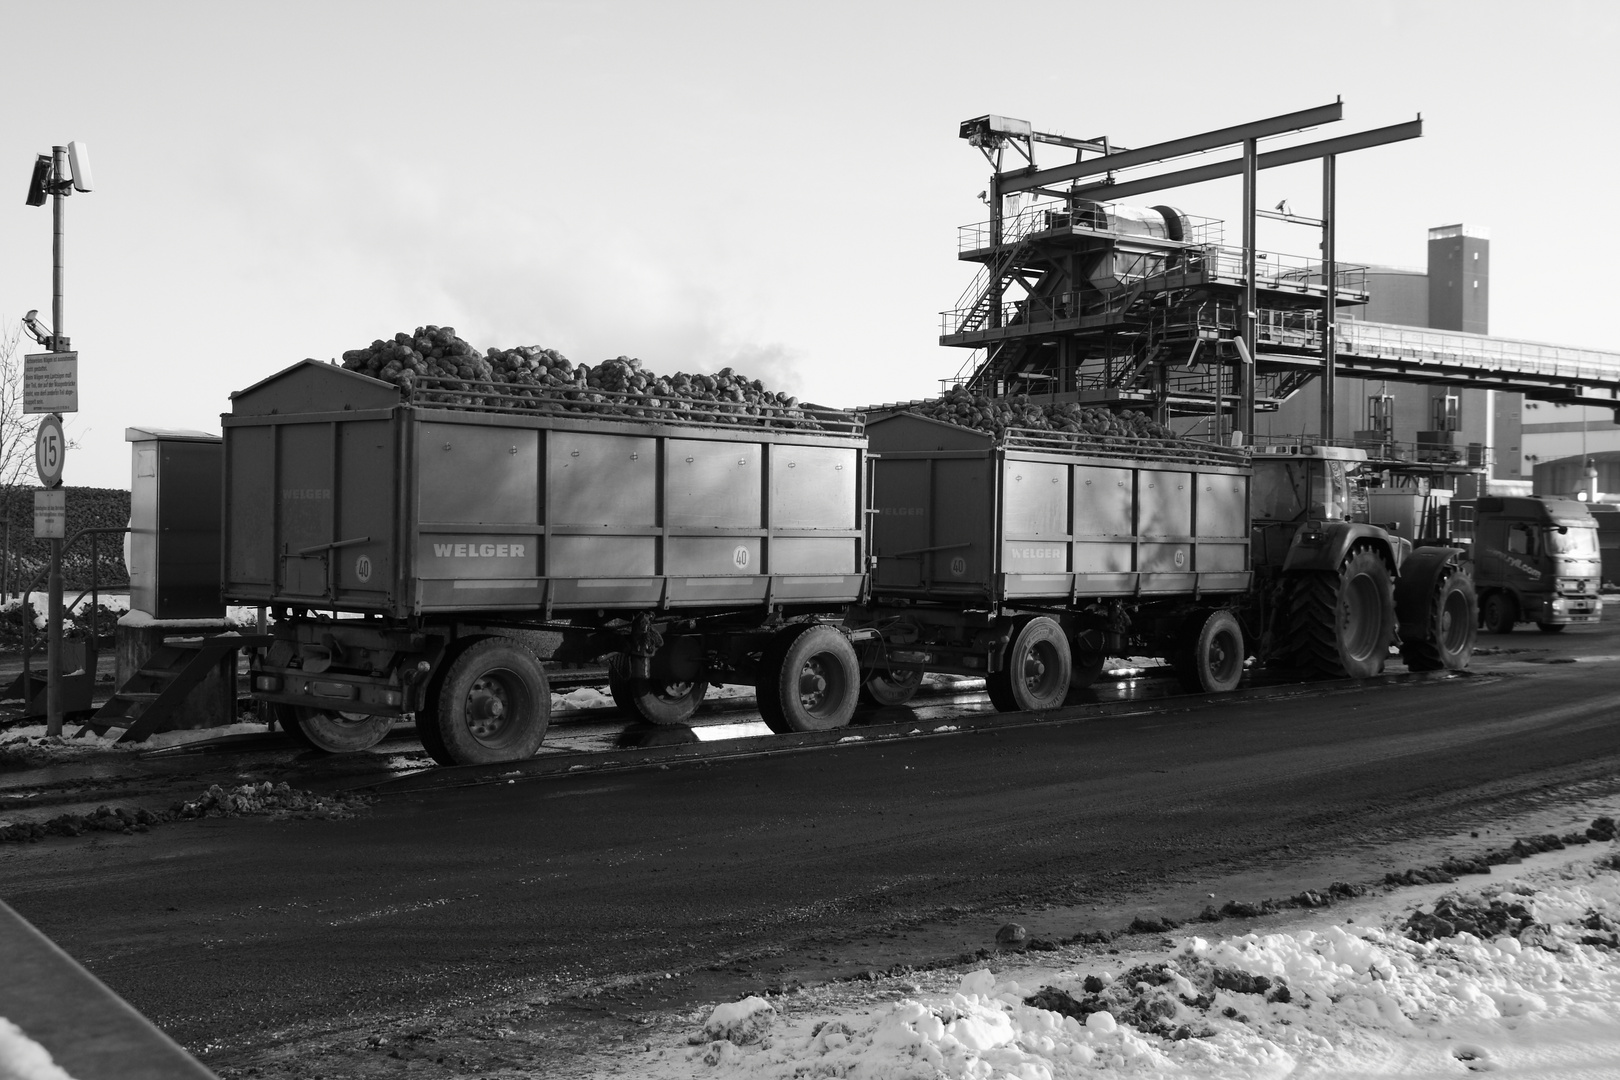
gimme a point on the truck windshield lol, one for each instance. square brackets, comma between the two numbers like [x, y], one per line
[1572, 540]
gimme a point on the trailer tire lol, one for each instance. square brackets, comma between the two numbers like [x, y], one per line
[1551, 627]
[1343, 622]
[331, 731]
[1499, 613]
[817, 681]
[1035, 674]
[1213, 659]
[1452, 622]
[427, 730]
[767, 680]
[884, 688]
[494, 705]
[657, 703]
[1085, 668]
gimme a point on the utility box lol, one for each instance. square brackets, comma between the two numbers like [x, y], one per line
[174, 523]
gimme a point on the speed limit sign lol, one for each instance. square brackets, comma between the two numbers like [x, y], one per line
[49, 449]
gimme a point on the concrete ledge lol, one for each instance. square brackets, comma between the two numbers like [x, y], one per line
[91, 1032]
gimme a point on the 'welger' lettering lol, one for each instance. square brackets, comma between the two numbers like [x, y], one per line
[479, 551]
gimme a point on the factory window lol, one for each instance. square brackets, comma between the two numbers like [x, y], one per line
[1476, 284]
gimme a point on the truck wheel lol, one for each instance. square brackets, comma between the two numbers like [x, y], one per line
[1499, 614]
[1085, 668]
[890, 687]
[1214, 663]
[817, 681]
[1343, 622]
[494, 705]
[333, 732]
[1035, 676]
[1452, 619]
[655, 702]
[1551, 627]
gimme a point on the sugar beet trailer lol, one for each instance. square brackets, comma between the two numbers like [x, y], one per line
[1030, 556]
[415, 546]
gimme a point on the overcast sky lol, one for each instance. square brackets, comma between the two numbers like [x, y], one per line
[771, 186]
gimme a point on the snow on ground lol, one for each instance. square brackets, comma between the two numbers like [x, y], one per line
[1533, 991]
[21, 1058]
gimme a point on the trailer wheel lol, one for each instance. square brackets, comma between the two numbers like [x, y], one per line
[1035, 676]
[1213, 661]
[1551, 627]
[817, 681]
[333, 732]
[1452, 621]
[1085, 668]
[494, 705]
[768, 678]
[1499, 614]
[653, 701]
[1343, 622]
[890, 687]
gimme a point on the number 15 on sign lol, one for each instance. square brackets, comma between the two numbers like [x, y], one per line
[50, 448]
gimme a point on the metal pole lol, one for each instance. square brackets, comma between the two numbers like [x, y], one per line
[1330, 293]
[1244, 420]
[53, 653]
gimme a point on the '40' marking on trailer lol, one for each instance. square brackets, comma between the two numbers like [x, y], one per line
[740, 557]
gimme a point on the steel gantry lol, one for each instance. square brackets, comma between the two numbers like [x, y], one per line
[1081, 297]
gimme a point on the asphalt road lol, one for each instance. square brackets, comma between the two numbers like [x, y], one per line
[248, 938]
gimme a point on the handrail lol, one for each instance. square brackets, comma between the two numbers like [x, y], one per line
[91, 658]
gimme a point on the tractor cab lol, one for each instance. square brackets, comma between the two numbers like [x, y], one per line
[1299, 494]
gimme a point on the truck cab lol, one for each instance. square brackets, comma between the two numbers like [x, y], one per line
[1536, 560]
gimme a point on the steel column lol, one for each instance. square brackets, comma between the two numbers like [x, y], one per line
[1244, 420]
[1330, 293]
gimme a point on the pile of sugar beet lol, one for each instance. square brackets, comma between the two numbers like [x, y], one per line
[1083, 423]
[531, 376]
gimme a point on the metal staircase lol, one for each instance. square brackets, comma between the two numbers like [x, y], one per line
[147, 702]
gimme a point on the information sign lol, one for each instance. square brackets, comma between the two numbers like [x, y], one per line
[50, 451]
[51, 382]
[50, 514]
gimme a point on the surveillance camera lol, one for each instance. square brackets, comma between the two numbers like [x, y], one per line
[79, 162]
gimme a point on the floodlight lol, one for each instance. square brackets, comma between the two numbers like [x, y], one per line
[39, 185]
[36, 330]
[79, 162]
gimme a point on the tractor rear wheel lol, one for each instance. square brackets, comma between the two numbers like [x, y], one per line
[1343, 623]
[1035, 675]
[1452, 620]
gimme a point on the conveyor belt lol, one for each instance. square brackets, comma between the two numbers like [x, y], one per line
[1414, 354]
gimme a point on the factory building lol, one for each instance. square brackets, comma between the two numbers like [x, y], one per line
[1518, 437]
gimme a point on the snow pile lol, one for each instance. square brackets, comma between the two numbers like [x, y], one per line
[21, 1058]
[1520, 977]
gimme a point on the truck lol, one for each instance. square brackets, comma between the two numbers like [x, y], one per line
[424, 553]
[1028, 557]
[1536, 560]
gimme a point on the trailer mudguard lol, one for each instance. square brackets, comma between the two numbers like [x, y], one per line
[1414, 589]
[1325, 547]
